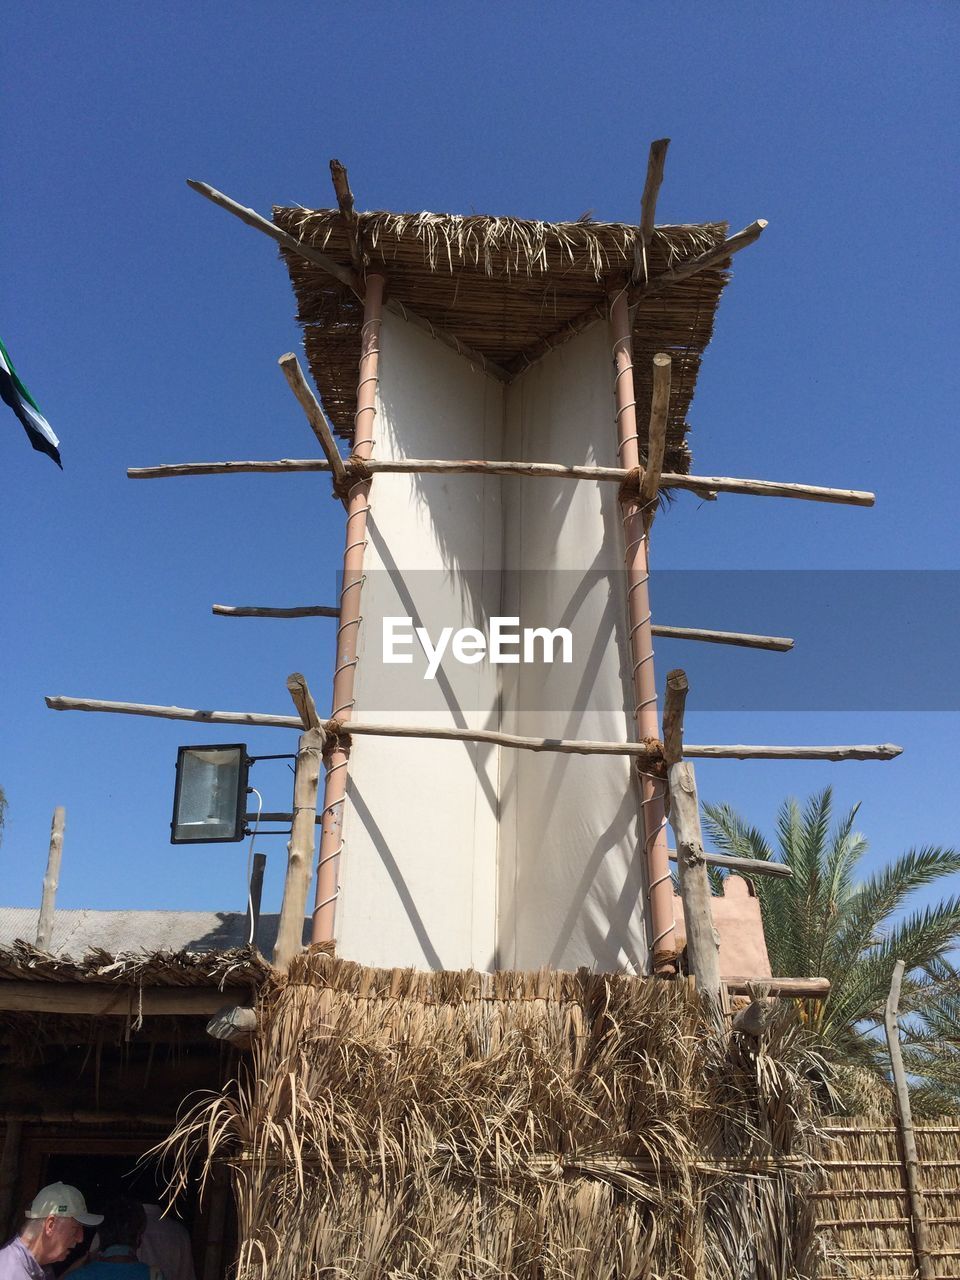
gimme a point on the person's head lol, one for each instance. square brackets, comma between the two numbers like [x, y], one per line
[124, 1222]
[55, 1222]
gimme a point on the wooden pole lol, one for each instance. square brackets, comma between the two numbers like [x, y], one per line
[259, 223]
[299, 691]
[790, 988]
[636, 564]
[345, 275]
[350, 728]
[702, 262]
[742, 866]
[341, 188]
[216, 1227]
[656, 438]
[9, 1168]
[299, 611]
[104, 1000]
[300, 848]
[51, 880]
[651, 190]
[744, 639]
[591, 314]
[256, 896]
[290, 366]
[735, 751]
[348, 629]
[550, 470]
[911, 1159]
[703, 942]
[779, 643]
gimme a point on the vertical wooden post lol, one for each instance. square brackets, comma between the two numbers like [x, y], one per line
[358, 505]
[256, 896]
[921, 1240]
[653, 820]
[703, 944]
[9, 1166]
[52, 879]
[216, 1226]
[299, 848]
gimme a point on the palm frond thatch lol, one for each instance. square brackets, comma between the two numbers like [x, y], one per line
[503, 286]
[510, 1125]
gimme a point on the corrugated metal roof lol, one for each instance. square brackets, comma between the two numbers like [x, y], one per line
[77, 932]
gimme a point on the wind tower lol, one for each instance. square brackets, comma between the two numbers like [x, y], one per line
[475, 1081]
[520, 405]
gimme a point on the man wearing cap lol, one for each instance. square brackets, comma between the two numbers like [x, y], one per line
[54, 1224]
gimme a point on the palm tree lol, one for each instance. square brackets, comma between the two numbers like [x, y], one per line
[931, 1051]
[3, 811]
[824, 922]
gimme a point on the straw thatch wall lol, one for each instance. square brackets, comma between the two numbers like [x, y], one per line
[863, 1209]
[394, 1123]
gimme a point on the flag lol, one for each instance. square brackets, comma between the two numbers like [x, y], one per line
[16, 395]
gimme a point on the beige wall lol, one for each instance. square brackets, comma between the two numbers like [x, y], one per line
[458, 855]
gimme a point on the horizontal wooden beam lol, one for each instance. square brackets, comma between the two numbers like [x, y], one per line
[742, 866]
[262, 611]
[567, 746]
[768, 489]
[570, 746]
[549, 470]
[802, 988]
[257, 719]
[53, 1115]
[880, 751]
[692, 266]
[743, 638]
[344, 275]
[119, 1001]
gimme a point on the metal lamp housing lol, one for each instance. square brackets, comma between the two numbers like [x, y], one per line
[209, 801]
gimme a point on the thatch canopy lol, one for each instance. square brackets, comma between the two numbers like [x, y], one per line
[239, 966]
[109, 996]
[503, 286]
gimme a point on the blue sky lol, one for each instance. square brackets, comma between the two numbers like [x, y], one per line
[148, 325]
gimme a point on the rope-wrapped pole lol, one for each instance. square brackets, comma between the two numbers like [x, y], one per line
[358, 505]
[652, 806]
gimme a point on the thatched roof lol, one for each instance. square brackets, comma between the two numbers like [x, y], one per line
[78, 931]
[20, 961]
[502, 286]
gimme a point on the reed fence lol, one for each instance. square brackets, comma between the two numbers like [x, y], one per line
[863, 1208]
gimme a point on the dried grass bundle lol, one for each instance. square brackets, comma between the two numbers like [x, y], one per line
[541, 1126]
